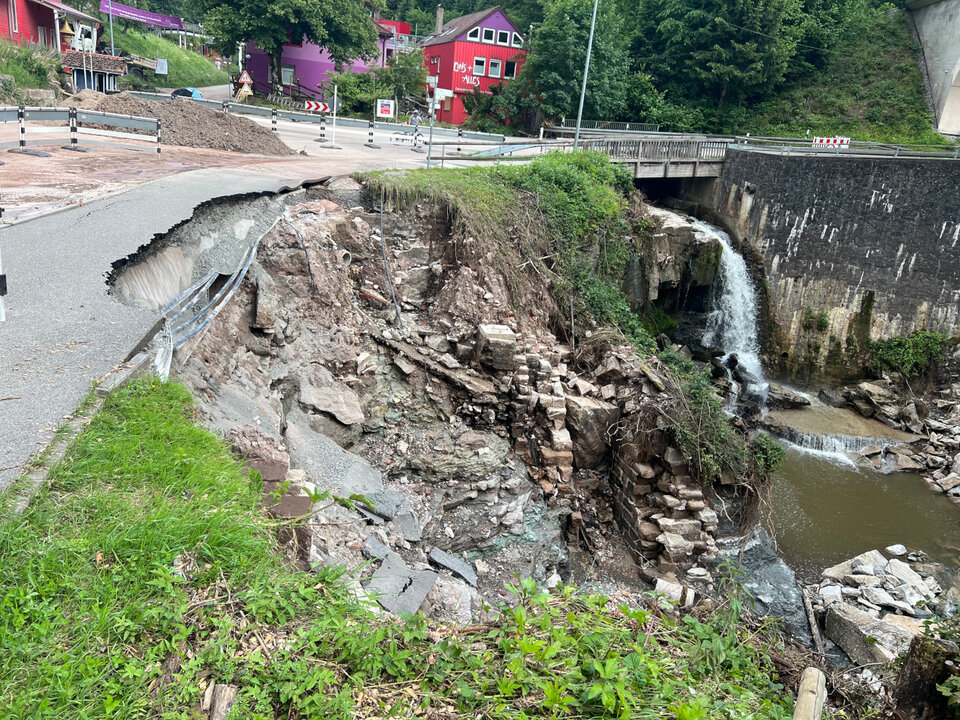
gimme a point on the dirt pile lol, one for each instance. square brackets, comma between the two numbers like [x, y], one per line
[188, 124]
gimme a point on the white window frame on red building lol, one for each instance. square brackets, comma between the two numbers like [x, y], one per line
[483, 69]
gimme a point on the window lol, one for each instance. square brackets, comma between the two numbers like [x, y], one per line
[286, 75]
[41, 35]
[13, 16]
[479, 66]
[495, 66]
[488, 34]
[517, 40]
[503, 37]
[510, 70]
[474, 34]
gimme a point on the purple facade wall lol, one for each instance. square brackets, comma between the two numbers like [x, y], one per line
[497, 21]
[312, 64]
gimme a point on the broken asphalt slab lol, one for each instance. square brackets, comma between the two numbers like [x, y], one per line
[398, 588]
[458, 567]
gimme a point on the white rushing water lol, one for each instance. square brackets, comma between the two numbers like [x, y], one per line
[732, 325]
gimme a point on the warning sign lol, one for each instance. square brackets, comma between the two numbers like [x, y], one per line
[245, 78]
[244, 90]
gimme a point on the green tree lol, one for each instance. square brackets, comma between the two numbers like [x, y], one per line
[405, 75]
[343, 27]
[557, 54]
[730, 49]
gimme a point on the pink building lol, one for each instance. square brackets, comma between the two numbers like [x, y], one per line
[305, 66]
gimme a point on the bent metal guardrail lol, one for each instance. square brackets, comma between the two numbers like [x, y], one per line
[79, 121]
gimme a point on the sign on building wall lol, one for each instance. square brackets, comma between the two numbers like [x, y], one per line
[386, 109]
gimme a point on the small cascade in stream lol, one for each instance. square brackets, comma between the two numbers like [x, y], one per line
[732, 324]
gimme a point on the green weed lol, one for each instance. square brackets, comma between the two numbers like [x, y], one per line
[911, 355]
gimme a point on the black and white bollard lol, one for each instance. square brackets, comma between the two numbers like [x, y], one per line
[74, 140]
[459, 141]
[323, 129]
[21, 118]
[273, 119]
[158, 138]
[225, 106]
[369, 143]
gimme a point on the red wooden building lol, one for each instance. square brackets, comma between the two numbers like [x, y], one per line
[36, 22]
[470, 53]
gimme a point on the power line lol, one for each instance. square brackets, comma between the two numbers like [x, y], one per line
[774, 37]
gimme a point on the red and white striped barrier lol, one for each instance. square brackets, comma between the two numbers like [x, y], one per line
[837, 141]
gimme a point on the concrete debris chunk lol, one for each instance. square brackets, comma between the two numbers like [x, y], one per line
[589, 422]
[863, 637]
[497, 347]
[454, 564]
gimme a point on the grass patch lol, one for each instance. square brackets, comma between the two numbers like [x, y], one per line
[185, 68]
[871, 89]
[92, 613]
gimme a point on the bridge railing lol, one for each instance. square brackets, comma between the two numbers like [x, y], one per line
[660, 150]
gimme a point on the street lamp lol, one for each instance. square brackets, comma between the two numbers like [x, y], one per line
[586, 71]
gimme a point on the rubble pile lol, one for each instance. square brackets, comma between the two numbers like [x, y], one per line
[873, 604]
[482, 452]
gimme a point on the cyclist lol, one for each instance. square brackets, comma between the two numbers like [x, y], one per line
[415, 120]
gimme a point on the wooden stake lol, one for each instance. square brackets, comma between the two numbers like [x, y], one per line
[811, 696]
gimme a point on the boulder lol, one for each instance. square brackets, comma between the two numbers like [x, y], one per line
[905, 574]
[769, 580]
[675, 546]
[336, 399]
[864, 638]
[909, 416]
[831, 398]
[929, 662]
[589, 422]
[497, 347]
[783, 398]
[872, 559]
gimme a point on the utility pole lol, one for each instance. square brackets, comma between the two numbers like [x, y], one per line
[586, 71]
[113, 50]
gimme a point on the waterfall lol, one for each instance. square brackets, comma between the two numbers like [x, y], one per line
[732, 325]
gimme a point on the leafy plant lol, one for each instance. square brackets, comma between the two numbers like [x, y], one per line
[911, 355]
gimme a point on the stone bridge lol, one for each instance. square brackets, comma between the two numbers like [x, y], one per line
[938, 26]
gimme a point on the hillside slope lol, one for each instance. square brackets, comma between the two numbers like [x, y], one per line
[186, 68]
[871, 89]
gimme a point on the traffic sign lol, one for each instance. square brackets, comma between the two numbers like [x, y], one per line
[316, 106]
[245, 90]
[245, 78]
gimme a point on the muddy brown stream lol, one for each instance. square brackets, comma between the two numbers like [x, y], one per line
[822, 512]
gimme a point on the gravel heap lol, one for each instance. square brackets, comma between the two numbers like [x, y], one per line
[189, 124]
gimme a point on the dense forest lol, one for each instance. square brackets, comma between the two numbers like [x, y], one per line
[768, 67]
[787, 66]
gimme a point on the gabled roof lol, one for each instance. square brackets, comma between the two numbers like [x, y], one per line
[100, 63]
[65, 9]
[458, 26]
